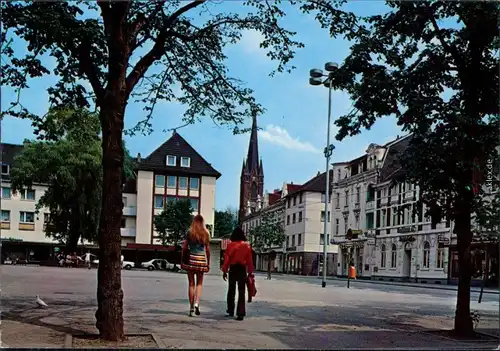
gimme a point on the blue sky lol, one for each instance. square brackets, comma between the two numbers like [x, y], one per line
[294, 125]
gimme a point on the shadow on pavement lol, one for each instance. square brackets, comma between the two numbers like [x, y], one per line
[268, 324]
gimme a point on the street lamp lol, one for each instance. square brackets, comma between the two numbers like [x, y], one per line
[317, 77]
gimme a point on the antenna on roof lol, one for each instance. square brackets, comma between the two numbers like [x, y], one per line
[174, 131]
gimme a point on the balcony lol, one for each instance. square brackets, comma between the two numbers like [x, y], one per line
[128, 232]
[130, 211]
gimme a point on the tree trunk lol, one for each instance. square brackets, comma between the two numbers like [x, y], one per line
[109, 315]
[463, 321]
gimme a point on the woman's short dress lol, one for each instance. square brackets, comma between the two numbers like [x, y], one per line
[197, 259]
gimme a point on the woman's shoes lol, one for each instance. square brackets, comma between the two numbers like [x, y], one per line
[239, 318]
[197, 309]
[191, 311]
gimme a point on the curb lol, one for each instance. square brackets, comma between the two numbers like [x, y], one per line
[68, 340]
[449, 288]
[158, 341]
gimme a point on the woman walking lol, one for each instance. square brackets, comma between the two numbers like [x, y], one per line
[196, 261]
[238, 261]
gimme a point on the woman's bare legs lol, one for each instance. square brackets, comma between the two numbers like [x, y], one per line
[191, 291]
[199, 287]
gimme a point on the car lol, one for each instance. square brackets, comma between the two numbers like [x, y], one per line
[128, 265]
[157, 263]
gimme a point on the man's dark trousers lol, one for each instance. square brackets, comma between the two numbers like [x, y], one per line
[237, 275]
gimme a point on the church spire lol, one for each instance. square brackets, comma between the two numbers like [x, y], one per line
[253, 147]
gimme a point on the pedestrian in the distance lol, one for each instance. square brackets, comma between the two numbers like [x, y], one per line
[239, 263]
[196, 261]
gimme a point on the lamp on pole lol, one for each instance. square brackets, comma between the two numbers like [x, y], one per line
[317, 77]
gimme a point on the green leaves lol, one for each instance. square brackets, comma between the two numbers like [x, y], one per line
[172, 224]
[270, 231]
[225, 222]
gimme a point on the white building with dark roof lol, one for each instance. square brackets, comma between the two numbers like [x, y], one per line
[173, 171]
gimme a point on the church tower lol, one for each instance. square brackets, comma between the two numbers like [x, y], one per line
[252, 177]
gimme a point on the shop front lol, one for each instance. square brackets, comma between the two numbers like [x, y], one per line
[484, 264]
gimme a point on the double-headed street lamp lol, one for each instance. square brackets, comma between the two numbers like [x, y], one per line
[319, 78]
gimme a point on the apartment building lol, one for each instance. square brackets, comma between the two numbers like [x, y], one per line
[274, 204]
[173, 171]
[353, 210]
[304, 228]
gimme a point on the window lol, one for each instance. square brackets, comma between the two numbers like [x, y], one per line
[6, 193]
[183, 182]
[300, 216]
[171, 182]
[288, 220]
[356, 218]
[295, 200]
[160, 181]
[27, 194]
[293, 240]
[394, 256]
[299, 240]
[293, 218]
[194, 204]
[171, 199]
[370, 193]
[345, 225]
[338, 175]
[124, 200]
[383, 257]
[358, 189]
[384, 218]
[5, 169]
[171, 160]
[370, 221]
[185, 162]
[123, 223]
[194, 183]
[5, 216]
[27, 217]
[440, 258]
[427, 254]
[159, 201]
[338, 201]
[289, 201]
[346, 198]
[300, 198]
[336, 226]
[322, 239]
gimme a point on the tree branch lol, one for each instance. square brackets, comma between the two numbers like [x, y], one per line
[142, 21]
[158, 49]
[91, 71]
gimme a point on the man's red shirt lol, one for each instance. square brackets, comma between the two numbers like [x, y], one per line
[238, 252]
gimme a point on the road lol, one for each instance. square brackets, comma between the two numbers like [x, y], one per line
[288, 312]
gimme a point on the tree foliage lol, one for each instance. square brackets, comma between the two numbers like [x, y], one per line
[67, 158]
[270, 232]
[225, 222]
[140, 51]
[434, 66]
[173, 222]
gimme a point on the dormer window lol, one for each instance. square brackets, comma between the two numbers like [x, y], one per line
[5, 169]
[185, 162]
[171, 160]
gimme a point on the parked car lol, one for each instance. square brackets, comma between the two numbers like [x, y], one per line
[159, 264]
[125, 264]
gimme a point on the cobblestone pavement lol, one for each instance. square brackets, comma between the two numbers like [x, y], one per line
[287, 313]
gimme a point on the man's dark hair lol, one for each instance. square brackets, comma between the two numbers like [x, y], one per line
[238, 235]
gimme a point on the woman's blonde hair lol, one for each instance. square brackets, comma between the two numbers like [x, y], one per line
[198, 232]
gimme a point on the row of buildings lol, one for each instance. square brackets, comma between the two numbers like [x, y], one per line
[174, 170]
[372, 224]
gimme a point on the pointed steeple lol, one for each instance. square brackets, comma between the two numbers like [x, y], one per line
[261, 168]
[253, 147]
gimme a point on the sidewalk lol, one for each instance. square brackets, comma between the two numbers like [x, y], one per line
[381, 282]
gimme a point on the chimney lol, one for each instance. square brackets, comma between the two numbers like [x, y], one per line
[291, 183]
[138, 157]
[397, 137]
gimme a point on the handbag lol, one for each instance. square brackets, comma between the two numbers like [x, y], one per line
[252, 289]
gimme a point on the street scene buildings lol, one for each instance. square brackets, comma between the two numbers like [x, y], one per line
[173, 171]
[380, 234]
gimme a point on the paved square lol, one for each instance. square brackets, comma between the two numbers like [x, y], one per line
[288, 312]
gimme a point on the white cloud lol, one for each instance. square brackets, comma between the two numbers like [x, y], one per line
[279, 136]
[250, 42]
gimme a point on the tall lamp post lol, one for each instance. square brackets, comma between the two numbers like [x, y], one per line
[317, 77]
